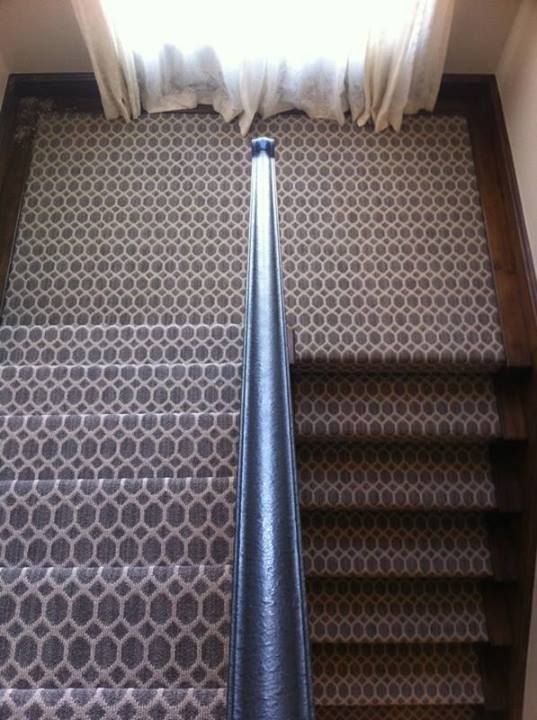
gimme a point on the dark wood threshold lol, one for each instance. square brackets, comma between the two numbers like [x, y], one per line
[515, 465]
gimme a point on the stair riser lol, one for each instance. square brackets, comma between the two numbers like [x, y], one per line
[400, 407]
[80, 704]
[396, 675]
[395, 476]
[120, 389]
[118, 446]
[119, 345]
[395, 545]
[413, 611]
[116, 523]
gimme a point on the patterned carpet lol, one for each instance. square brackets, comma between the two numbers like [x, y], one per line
[120, 352]
[384, 246]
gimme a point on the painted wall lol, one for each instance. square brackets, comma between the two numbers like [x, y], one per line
[478, 33]
[41, 36]
[517, 80]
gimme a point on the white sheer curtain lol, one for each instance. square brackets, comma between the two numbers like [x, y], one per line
[377, 59]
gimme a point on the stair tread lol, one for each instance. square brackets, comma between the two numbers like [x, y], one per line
[402, 477]
[116, 522]
[73, 344]
[396, 674]
[413, 611]
[110, 704]
[115, 627]
[395, 545]
[119, 344]
[398, 406]
[156, 388]
[118, 445]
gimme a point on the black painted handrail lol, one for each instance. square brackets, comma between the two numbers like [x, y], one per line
[269, 663]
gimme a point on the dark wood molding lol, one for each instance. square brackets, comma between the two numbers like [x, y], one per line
[509, 401]
[506, 461]
[25, 97]
[472, 96]
[495, 663]
[16, 139]
[478, 99]
[77, 91]
[503, 542]
[497, 602]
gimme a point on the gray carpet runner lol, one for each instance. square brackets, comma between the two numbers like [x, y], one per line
[116, 521]
[120, 352]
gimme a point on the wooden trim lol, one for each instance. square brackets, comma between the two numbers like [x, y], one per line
[503, 536]
[494, 663]
[506, 463]
[73, 91]
[497, 602]
[25, 96]
[478, 99]
[15, 157]
[471, 96]
[509, 402]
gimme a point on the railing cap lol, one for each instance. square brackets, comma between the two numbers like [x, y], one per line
[263, 145]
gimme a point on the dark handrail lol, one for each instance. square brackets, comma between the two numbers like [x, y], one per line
[269, 667]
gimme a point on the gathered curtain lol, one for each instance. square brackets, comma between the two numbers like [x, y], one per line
[376, 59]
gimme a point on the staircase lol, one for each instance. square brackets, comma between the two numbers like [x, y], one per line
[120, 356]
[396, 487]
[117, 519]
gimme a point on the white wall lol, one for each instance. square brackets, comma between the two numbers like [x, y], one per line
[41, 36]
[478, 34]
[517, 80]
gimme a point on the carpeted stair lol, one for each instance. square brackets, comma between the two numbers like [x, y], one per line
[120, 355]
[116, 520]
[396, 485]
[397, 344]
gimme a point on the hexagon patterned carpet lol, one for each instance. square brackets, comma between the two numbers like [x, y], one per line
[120, 353]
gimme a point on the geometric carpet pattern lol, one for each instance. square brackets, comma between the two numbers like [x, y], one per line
[120, 361]
[396, 712]
[408, 407]
[390, 675]
[119, 389]
[81, 345]
[114, 627]
[111, 704]
[394, 611]
[49, 523]
[46, 447]
[395, 476]
[396, 545]
[383, 240]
